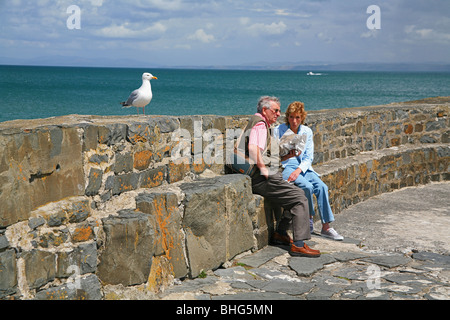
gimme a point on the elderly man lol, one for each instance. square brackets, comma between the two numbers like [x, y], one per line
[269, 183]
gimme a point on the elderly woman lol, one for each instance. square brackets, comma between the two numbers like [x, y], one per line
[297, 168]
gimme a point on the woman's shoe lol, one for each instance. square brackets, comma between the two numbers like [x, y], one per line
[331, 234]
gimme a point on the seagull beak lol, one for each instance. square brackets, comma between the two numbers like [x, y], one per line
[155, 78]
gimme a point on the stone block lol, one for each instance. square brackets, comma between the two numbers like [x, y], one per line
[128, 248]
[95, 182]
[37, 167]
[124, 162]
[176, 171]
[142, 159]
[83, 233]
[112, 133]
[40, 267]
[216, 220]
[152, 178]
[8, 273]
[169, 239]
[73, 210]
[125, 182]
[81, 260]
[83, 288]
[142, 132]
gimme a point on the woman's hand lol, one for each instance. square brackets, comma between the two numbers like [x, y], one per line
[294, 175]
[291, 154]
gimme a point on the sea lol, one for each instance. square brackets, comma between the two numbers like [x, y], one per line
[30, 92]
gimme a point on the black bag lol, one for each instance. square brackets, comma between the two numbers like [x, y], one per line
[239, 162]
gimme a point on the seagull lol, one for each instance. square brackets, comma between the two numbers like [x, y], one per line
[141, 97]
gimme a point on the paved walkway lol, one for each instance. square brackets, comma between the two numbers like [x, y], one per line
[396, 246]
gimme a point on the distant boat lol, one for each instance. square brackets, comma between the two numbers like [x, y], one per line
[313, 74]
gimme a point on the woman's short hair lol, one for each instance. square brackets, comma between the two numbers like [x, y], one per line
[296, 107]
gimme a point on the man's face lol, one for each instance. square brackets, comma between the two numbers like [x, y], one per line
[272, 113]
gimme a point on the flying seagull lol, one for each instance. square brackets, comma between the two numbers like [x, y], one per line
[141, 97]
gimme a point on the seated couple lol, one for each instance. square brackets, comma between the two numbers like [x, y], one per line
[293, 188]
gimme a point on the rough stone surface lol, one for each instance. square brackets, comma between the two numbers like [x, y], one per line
[129, 246]
[164, 208]
[106, 200]
[347, 270]
[216, 221]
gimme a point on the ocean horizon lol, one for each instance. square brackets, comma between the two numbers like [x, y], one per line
[31, 92]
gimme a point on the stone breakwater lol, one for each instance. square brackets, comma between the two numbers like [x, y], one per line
[88, 203]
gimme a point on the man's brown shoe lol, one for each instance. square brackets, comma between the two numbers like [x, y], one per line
[281, 240]
[304, 251]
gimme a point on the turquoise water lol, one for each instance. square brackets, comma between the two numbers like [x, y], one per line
[40, 92]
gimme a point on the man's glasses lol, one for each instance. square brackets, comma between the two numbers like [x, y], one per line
[275, 110]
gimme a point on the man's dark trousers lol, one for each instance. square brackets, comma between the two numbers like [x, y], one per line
[289, 197]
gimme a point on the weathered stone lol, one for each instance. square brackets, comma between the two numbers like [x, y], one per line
[169, 239]
[111, 134]
[83, 288]
[4, 243]
[54, 171]
[8, 273]
[262, 256]
[54, 238]
[216, 220]
[40, 267]
[81, 260]
[76, 209]
[125, 182]
[141, 132]
[124, 162]
[235, 273]
[37, 170]
[288, 287]
[83, 233]
[33, 223]
[99, 158]
[307, 266]
[95, 182]
[167, 124]
[152, 178]
[161, 275]
[388, 261]
[128, 248]
[142, 159]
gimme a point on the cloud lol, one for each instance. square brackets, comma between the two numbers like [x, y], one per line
[258, 29]
[126, 31]
[370, 34]
[426, 34]
[200, 35]
[325, 30]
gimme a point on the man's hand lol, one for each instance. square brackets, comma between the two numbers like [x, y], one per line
[264, 172]
[256, 157]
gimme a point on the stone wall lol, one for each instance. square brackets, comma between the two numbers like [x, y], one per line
[88, 202]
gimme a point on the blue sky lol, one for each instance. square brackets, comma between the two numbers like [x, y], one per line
[229, 32]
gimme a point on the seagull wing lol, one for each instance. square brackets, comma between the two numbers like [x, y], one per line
[131, 98]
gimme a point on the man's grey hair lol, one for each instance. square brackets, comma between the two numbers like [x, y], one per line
[265, 101]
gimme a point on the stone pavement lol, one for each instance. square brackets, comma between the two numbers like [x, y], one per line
[396, 247]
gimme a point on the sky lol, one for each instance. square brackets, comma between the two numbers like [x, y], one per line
[170, 33]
